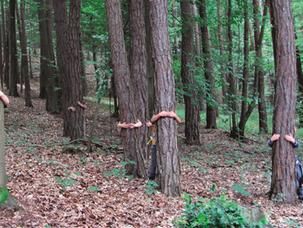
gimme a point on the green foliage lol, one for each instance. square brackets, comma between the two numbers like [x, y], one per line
[93, 189]
[120, 172]
[65, 182]
[239, 188]
[216, 212]
[150, 187]
[4, 193]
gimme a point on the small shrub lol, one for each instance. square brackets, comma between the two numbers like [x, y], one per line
[216, 212]
[151, 187]
[4, 193]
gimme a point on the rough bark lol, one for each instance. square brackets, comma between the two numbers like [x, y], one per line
[244, 105]
[138, 76]
[283, 187]
[68, 44]
[53, 90]
[168, 154]
[258, 37]
[122, 79]
[43, 46]
[230, 77]
[24, 57]
[211, 110]
[192, 111]
[13, 62]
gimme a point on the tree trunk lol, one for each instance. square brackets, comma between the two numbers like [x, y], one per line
[258, 65]
[138, 76]
[122, 79]
[211, 110]
[300, 85]
[230, 77]
[221, 49]
[168, 154]
[244, 105]
[13, 62]
[68, 44]
[53, 90]
[150, 68]
[283, 185]
[192, 111]
[43, 46]
[24, 57]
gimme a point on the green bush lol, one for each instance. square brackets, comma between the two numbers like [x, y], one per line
[216, 212]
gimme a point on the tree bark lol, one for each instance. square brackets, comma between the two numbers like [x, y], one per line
[230, 77]
[138, 76]
[53, 90]
[244, 105]
[13, 62]
[211, 110]
[24, 57]
[259, 73]
[192, 110]
[122, 81]
[68, 44]
[168, 154]
[283, 187]
[43, 46]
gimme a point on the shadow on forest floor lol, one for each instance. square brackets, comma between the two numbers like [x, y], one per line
[57, 189]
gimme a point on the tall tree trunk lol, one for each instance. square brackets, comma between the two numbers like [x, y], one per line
[13, 72]
[68, 44]
[258, 65]
[24, 57]
[43, 47]
[283, 185]
[150, 68]
[169, 161]
[230, 75]
[244, 105]
[211, 110]
[53, 90]
[6, 46]
[221, 49]
[300, 85]
[122, 79]
[138, 76]
[192, 110]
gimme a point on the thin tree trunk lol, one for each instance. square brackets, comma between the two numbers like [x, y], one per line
[244, 106]
[192, 110]
[258, 34]
[13, 73]
[211, 110]
[230, 77]
[43, 46]
[24, 58]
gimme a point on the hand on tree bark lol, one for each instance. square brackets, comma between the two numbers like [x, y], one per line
[290, 138]
[274, 137]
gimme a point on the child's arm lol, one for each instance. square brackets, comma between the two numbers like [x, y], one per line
[273, 138]
[292, 140]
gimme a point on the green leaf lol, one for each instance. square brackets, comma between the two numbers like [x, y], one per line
[4, 193]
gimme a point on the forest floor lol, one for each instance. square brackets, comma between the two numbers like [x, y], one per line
[58, 188]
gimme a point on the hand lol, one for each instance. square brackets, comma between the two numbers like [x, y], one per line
[4, 98]
[290, 138]
[274, 137]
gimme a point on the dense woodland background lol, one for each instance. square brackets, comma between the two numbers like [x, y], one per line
[75, 70]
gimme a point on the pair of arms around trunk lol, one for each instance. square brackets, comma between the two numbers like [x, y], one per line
[287, 137]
